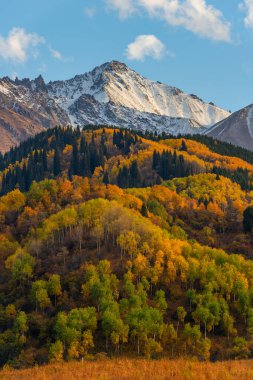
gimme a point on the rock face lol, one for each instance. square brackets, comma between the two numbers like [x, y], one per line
[111, 94]
[26, 109]
[236, 129]
[115, 94]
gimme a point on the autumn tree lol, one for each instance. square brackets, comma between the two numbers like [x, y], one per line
[54, 286]
[21, 265]
[40, 295]
[56, 352]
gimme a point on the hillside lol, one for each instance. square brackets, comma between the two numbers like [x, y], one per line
[111, 94]
[126, 244]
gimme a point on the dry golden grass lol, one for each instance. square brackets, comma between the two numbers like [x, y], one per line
[124, 369]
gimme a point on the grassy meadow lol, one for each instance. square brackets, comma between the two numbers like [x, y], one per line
[134, 369]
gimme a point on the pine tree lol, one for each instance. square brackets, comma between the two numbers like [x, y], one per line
[144, 210]
[84, 169]
[183, 146]
[44, 160]
[248, 219]
[156, 160]
[106, 178]
[82, 145]
[135, 177]
[123, 177]
[36, 156]
[158, 180]
[57, 163]
[75, 160]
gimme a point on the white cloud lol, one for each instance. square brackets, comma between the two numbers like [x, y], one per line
[55, 53]
[124, 7]
[90, 12]
[18, 45]
[247, 5]
[194, 15]
[145, 46]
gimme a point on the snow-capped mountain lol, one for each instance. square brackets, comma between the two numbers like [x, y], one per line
[236, 129]
[110, 94]
[115, 94]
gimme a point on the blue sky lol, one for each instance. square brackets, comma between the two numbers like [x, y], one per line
[203, 47]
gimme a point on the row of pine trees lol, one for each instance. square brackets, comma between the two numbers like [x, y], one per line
[40, 158]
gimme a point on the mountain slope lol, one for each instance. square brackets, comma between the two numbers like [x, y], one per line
[236, 129]
[111, 94]
[26, 109]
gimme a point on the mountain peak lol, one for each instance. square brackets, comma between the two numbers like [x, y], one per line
[116, 65]
[112, 66]
[37, 84]
[40, 83]
[110, 94]
[115, 94]
[236, 129]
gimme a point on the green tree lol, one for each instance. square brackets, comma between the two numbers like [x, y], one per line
[62, 331]
[240, 348]
[21, 265]
[114, 328]
[160, 301]
[228, 325]
[70, 328]
[40, 294]
[145, 322]
[204, 349]
[20, 326]
[86, 343]
[152, 348]
[250, 323]
[54, 286]
[191, 339]
[169, 338]
[202, 315]
[181, 314]
[56, 352]
[74, 350]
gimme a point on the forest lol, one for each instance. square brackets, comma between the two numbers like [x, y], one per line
[115, 243]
